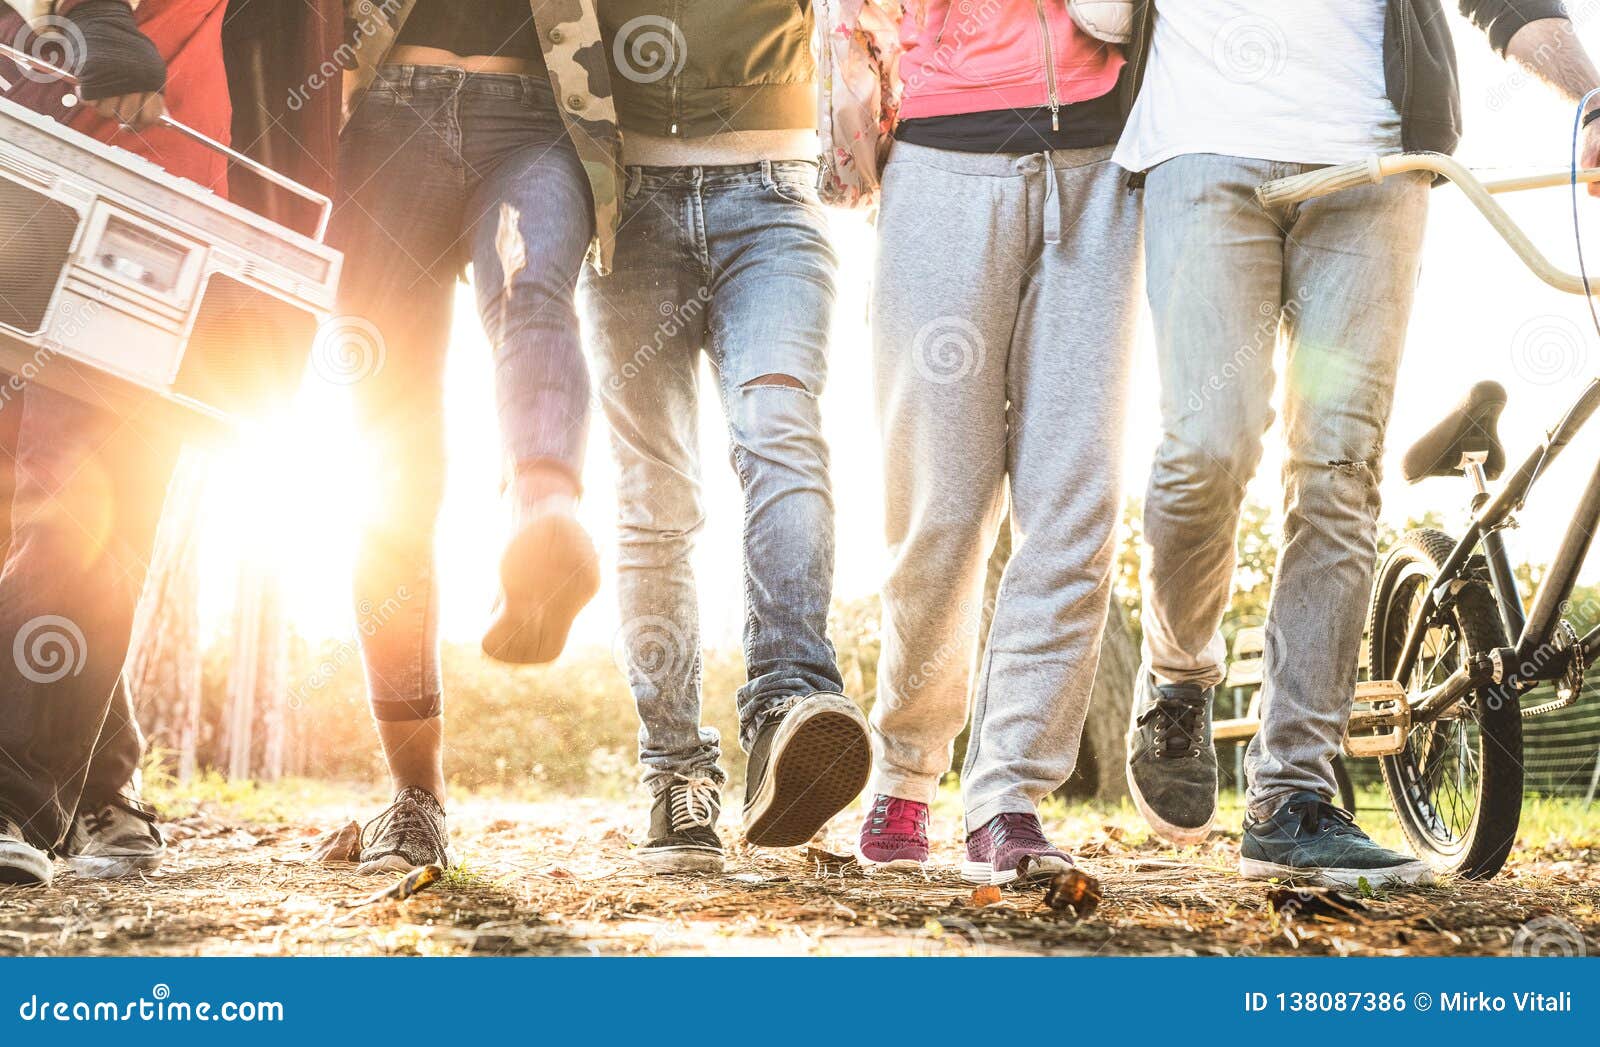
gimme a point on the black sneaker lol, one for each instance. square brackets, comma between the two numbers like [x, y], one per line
[21, 863]
[1172, 766]
[1310, 840]
[117, 837]
[804, 769]
[409, 833]
[683, 829]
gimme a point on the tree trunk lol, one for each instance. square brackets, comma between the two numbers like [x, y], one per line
[165, 661]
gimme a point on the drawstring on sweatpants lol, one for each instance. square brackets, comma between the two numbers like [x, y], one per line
[1040, 162]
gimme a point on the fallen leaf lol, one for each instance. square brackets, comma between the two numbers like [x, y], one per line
[413, 882]
[1075, 890]
[341, 845]
[829, 864]
[984, 896]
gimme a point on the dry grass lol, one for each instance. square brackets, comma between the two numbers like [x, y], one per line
[554, 877]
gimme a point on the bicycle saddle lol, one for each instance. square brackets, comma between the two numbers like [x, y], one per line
[1473, 426]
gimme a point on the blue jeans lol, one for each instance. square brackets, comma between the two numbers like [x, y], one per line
[438, 168]
[734, 262]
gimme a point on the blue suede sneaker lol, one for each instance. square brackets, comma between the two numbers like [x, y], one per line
[1310, 840]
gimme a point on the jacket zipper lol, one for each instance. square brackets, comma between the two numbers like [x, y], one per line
[1405, 71]
[1049, 66]
[672, 88]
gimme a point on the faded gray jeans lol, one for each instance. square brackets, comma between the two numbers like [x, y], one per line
[1334, 277]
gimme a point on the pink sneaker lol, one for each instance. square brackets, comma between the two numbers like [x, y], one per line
[895, 835]
[996, 850]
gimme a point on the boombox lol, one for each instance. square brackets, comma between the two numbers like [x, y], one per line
[118, 280]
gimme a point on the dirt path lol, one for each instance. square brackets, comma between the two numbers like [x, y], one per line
[557, 877]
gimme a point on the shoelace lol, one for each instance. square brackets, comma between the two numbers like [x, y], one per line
[1322, 816]
[1021, 828]
[893, 816]
[101, 817]
[695, 802]
[405, 816]
[1176, 714]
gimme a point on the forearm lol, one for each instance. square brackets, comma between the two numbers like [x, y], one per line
[1549, 48]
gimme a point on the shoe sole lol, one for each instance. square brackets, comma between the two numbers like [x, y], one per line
[393, 863]
[895, 865]
[1413, 873]
[24, 866]
[984, 874]
[100, 867]
[821, 759]
[686, 860]
[549, 573]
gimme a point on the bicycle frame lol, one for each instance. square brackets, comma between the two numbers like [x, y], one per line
[1532, 656]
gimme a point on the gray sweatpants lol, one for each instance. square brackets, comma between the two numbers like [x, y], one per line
[1004, 308]
[1335, 277]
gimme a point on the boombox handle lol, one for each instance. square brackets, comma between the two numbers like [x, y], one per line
[324, 204]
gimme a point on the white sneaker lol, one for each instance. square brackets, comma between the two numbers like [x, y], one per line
[21, 863]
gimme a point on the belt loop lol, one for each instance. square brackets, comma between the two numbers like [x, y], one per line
[1052, 203]
[767, 180]
[635, 177]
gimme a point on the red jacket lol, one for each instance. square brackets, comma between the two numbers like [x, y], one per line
[279, 46]
[188, 33]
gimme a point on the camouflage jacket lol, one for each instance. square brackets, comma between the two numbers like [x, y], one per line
[569, 34]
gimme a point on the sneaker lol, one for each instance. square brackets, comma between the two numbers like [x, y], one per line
[895, 834]
[1172, 765]
[549, 572]
[1310, 840]
[409, 833]
[115, 838]
[804, 769]
[683, 829]
[996, 851]
[21, 863]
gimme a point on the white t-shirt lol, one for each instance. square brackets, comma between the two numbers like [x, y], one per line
[1298, 82]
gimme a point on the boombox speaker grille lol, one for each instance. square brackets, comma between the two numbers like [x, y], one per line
[248, 349]
[36, 235]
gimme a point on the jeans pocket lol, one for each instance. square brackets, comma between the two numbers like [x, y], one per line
[795, 183]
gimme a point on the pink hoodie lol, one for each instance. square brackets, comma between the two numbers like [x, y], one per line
[971, 56]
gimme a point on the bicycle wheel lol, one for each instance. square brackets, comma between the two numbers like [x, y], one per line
[1457, 787]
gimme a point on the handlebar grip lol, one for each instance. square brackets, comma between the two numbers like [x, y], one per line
[1297, 188]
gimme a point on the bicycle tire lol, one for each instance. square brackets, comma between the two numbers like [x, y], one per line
[1476, 848]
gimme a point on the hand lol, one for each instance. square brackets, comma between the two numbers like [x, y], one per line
[1589, 152]
[123, 74]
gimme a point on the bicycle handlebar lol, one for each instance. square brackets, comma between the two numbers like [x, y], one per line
[1324, 181]
[1296, 189]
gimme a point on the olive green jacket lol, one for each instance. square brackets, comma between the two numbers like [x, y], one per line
[692, 68]
[569, 35]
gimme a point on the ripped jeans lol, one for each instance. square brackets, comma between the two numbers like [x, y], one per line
[1335, 277]
[733, 262]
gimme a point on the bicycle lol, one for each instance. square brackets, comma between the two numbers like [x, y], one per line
[1451, 646]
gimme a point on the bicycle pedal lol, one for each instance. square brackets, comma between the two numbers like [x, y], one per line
[1380, 719]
